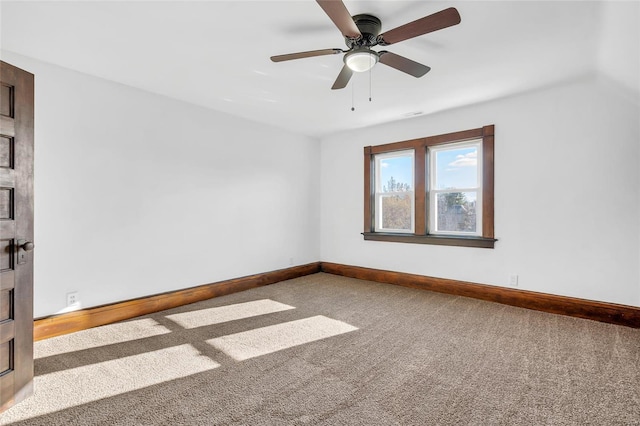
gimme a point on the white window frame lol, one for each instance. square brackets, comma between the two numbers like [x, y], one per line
[433, 192]
[379, 194]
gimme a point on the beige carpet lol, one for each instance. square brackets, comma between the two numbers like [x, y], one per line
[328, 350]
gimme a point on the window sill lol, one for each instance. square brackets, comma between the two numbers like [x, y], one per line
[441, 240]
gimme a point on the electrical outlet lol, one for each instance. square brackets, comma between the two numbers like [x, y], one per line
[291, 261]
[73, 298]
[513, 281]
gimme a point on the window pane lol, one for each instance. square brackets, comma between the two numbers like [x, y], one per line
[394, 184]
[456, 168]
[396, 211]
[456, 211]
[396, 173]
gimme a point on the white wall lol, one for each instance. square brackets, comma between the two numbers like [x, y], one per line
[138, 194]
[619, 43]
[567, 195]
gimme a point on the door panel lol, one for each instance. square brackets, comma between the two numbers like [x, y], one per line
[6, 203]
[16, 226]
[6, 100]
[5, 358]
[6, 152]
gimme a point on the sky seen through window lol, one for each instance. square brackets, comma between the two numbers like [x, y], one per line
[455, 168]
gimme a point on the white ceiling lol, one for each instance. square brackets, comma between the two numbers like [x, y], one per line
[216, 54]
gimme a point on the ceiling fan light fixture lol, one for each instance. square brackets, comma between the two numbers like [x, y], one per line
[361, 60]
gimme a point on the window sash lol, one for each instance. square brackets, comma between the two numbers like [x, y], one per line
[378, 212]
[433, 192]
[434, 213]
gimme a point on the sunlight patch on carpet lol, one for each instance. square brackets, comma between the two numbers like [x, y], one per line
[221, 314]
[75, 386]
[100, 336]
[266, 340]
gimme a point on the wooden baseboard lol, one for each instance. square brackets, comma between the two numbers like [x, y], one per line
[87, 318]
[599, 311]
[80, 320]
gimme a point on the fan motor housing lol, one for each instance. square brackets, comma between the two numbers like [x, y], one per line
[369, 27]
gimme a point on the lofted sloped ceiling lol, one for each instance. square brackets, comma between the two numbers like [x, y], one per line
[216, 53]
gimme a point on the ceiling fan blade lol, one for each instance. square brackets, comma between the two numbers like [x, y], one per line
[309, 54]
[443, 19]
[337, 11]
[403, 64]
[343, 78]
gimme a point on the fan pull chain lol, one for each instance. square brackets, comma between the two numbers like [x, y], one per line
[370, 83]
[352, 95]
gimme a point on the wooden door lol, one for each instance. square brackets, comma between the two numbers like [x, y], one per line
[16, 235]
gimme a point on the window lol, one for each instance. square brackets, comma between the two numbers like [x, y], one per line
[455, 188]
[395, 210]
[433, 190]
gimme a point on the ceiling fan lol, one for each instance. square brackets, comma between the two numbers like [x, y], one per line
[362, 32]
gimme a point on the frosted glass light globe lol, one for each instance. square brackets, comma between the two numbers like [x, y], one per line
[361, 61]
